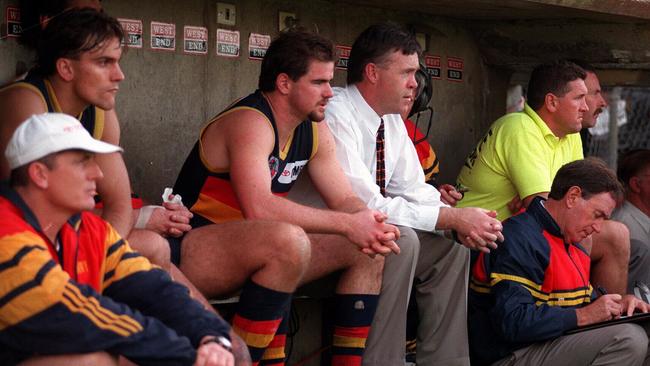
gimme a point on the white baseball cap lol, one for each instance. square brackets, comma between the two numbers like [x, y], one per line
[43, 134]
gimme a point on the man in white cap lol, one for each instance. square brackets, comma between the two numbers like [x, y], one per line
[72, 290]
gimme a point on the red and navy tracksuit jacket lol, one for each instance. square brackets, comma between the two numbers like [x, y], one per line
[427, 156]
[526, 291]
[91, 294]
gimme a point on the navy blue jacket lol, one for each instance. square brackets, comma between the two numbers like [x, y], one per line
[527, 290]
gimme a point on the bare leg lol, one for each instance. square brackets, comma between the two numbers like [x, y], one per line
[179, 277]
[263, 259]
[152, 246]
[219, 259]
[610, 257]
[330, 253]
[156, 248]
[357, 293]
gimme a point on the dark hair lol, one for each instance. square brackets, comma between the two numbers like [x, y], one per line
[376, 43]
[73, 32]
[592, 176]
[31, 15]
[291, 53]
[31, 12]
[630, 164]
[19, 176]
[583, 64]
[551, 78]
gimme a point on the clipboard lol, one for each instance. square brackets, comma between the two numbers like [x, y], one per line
[634, 318]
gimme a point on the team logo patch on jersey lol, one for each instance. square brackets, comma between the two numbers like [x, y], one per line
[274, 163]
[292, 171]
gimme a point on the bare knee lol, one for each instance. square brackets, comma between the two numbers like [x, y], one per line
[620, 238]
[152, 246]
[289, 247]
[613, 241]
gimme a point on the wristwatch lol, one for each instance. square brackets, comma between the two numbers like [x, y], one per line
[220, 340]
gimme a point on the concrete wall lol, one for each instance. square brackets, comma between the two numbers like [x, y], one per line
[13, 58]
[167, 96]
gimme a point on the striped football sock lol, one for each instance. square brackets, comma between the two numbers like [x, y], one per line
[352, 321]
[274, 354]
[258, 317]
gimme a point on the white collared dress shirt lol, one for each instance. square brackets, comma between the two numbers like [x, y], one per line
[409, 200]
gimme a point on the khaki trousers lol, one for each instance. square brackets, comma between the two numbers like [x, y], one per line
[439, 268]
[622, 344]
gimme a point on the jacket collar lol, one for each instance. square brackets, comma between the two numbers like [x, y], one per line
[539, 212]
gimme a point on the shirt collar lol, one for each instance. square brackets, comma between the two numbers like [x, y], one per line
[543, 127]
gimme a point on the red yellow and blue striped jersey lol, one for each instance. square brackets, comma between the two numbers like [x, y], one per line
[209, 193]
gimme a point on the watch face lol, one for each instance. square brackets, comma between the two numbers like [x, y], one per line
[225, 342]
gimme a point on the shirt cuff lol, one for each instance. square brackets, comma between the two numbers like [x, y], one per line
[424, 219]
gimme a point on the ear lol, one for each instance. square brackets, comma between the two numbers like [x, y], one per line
[283, 83]
[550, 102]
[572, 196]
[39, 174]
[64, 69]
[370, 71]
[634, 186]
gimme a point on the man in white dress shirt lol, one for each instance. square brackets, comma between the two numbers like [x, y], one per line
[381, 81]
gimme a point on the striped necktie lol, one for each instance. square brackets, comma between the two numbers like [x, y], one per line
[380, 175]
